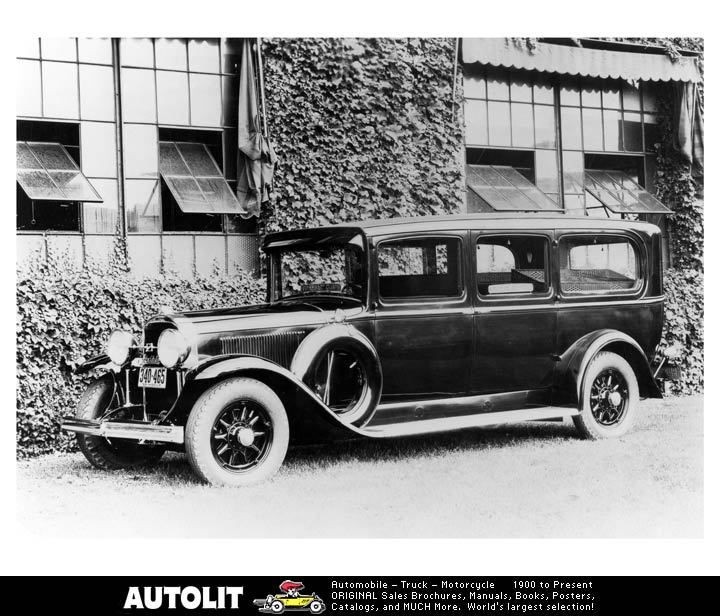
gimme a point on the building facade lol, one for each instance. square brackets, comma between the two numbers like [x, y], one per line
[138, 137]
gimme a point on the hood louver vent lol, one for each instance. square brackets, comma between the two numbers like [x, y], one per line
[277, 347]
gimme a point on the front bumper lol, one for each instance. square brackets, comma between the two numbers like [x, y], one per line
[135, 431]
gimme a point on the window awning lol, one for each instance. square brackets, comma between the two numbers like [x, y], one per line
[563, 59]
[619, 193]
[195, 180]
[504, 189]
[46, 172]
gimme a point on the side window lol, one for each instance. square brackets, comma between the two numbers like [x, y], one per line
[598, 265]
[419, 267]
[511, 265]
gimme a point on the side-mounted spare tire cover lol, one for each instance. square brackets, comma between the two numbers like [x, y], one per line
[341, 366]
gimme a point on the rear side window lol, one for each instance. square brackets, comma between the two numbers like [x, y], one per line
[419, 267]
[601, 265]
[512, 265]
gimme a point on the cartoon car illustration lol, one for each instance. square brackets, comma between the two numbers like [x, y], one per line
[290, 599]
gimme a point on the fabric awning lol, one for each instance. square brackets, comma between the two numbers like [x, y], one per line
[619, 193]
[195, 180]
[504, 189]
[566, 60]
[46, 172]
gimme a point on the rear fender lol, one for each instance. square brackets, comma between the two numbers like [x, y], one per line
[574, 362]
[310, 419]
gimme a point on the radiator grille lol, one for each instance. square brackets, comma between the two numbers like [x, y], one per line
[278, 347]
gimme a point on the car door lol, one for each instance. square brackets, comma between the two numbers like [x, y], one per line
[423, 325]
[514, 320]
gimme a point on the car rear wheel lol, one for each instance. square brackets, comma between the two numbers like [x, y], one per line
[102, 453]
[237, 433]
[610, 398]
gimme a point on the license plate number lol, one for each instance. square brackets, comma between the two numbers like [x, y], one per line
[153, 377]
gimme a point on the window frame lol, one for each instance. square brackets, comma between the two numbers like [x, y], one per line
[425, 300]
[610, 294]
[514, 298]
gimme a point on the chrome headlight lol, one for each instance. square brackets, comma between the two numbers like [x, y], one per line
[118, 346]
[172, 348]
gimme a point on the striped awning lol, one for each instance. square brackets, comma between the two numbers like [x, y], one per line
[581, 61]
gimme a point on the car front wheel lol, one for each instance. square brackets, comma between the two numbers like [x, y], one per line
[237, 433]
[609, 400]
[101, 452]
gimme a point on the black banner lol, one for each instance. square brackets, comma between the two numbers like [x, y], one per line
[432, 595]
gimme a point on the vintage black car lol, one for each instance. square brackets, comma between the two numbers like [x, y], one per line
[390, 328]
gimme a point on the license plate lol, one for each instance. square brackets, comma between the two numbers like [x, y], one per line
[153, 377]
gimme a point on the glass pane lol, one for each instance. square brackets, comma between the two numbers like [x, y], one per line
[498, 88]
[52, 156]
[652, 132]
[546, 171]
[97, 145]
[476, 126]
[204, 55]
[56, 48]
[136, 52]
[499, 123]
[611, 98]
[573, 171]
[142, 198]
[522, 125]
[60, 90]
[188, 195]
[631, 98]
[544, 126]
[591, 96]
[171, 163]
[28, 97]
[611, 124]
[571, 128]
[38, 185]
[526, 187]
[592, 129]
[75, 185]
[98, 50]
[475, 86]
[198, 159]
[219, 196]
[570, 95]
[172, 95]
[140, 151]
[205, 101]
[575, 204]
[632, 132]
[102, 217]
[649, 97]
[138, 87]
[230, 87]
[543, 92]
[171, 53]
[25, 158]
[97, 95]
[520, 91]
[27, 47]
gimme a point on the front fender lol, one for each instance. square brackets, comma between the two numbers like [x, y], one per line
[101, 361]
[310, 419]
[571, 369]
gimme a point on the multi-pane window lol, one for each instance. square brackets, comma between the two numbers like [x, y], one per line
[512, 265]
[180, 90]
[68, 83]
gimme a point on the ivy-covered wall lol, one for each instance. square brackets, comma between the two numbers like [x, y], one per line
[363, 129]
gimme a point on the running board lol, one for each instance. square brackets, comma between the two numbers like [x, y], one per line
[120, 430]
[450, 424]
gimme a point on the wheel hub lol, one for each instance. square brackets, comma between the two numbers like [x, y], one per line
[614, 398]
[242, 434]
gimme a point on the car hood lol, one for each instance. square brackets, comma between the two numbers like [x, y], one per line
[261, 316]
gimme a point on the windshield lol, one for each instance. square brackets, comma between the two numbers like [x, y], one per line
[312, 271]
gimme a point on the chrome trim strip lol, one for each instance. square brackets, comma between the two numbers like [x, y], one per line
[133, 431]
[450, 424]
[564, 305]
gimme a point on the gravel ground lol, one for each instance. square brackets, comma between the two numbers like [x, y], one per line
[531, 480]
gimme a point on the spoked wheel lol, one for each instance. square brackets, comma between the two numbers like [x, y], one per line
[237, 433]
[242, 435]
[609, 398]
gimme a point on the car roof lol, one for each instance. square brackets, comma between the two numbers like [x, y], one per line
[527, 221]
